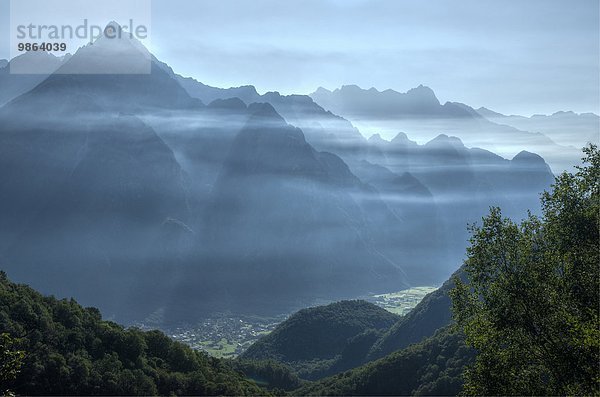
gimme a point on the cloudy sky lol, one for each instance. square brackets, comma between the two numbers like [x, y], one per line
[514, 56]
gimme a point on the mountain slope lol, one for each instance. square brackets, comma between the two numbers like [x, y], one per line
[277, 215]
[326, 340]
[322, 129]
[431, 314]
[119, 74]
[315, 340]
[432, 367]
[39, 64]
[70, 350]
[96, 231]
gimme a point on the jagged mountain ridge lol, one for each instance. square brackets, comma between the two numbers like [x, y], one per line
[565, 127]
[419, 113]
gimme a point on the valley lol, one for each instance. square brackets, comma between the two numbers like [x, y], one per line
[228, 335]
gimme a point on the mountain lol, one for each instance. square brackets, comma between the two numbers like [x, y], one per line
[95, 226]
[276, 217]
[70, 350]
[137, 200]
[116, 197]
[419, 113]
[127, 183]
[353, 102]
[324, 130]
[421, 232]
[463, 182]
[315, 341]
[118, 74]
[91, 190]
[432, 167]
[432, 367]
[565, 128]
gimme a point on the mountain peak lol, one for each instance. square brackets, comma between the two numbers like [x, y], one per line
[402, 139]
[446, 140]
[528, 157]
[230, 104]
[113, 27]
[485, 112]
[423, 92]
[116, 51]
[349, 88]
[262, 111]
[377, 139]
[322, 90]
[564, 113]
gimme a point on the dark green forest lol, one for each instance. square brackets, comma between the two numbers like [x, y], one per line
[57, 347]
[432, 367]
[323, 340]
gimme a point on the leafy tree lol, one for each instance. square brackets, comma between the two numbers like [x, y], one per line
[11, 360]
[531, 305]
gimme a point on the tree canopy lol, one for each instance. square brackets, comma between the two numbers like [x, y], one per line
[66, 349]
[531, 305]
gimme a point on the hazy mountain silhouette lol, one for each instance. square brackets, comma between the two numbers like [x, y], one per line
[324, 130]
[139, 198]
[279, 213]
[419, 113]
[354, 102]
[565, 128]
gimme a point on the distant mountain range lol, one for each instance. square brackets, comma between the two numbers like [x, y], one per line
[151, 193]
[565, 128]
[418, 112]
[389, 104]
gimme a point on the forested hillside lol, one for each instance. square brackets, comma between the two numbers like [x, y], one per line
[432, 367]
[57, 347]
[323, 340]
[431, 314]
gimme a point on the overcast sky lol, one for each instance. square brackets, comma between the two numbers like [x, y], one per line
[514, 56]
